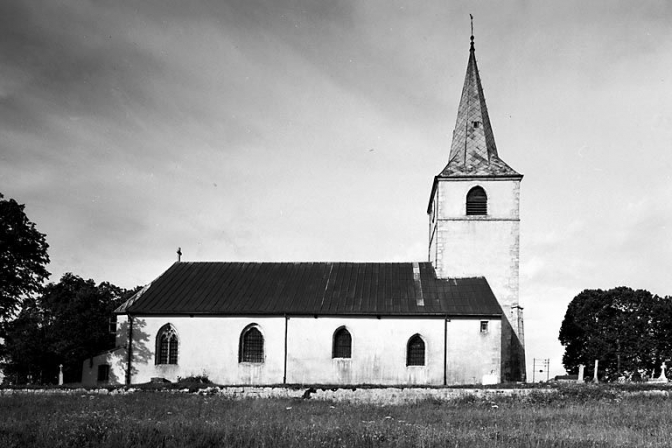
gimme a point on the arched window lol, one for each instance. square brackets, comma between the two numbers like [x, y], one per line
[166, 345]
[477, 202]
[342, 344]
[415, 351]
[251, 345]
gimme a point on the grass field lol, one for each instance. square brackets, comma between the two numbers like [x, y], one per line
[585, 417]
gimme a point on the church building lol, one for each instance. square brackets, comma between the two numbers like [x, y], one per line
[452, 319]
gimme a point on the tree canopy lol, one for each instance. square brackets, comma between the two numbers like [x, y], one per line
[624, 329]
[66, 324]
[23, 257]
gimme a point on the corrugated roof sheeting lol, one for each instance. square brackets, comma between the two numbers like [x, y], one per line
[224, 288]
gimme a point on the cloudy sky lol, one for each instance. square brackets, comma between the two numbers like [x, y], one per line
[296, 130]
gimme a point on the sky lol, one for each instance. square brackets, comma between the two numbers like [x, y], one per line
[294, 130]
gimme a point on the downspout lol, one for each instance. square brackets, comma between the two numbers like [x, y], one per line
[445, 350]
[129, 354]
[284, 371]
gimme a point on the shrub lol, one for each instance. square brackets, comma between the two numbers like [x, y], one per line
[197, 379]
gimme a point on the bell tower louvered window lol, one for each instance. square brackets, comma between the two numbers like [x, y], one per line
[166, 345]
[342, 344]
[251, 345]
[415, 351]
[477, 202]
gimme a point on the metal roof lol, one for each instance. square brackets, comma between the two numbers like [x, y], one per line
[237, 288]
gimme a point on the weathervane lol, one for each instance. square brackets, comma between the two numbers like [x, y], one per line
[472, 31]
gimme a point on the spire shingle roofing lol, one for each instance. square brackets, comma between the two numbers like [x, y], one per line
[473, 151]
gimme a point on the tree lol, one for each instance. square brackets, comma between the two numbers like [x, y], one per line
[23, 257]
[622, 328]
[68, 323]
[26, 348]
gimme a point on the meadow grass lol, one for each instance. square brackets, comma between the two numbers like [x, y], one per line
[580, 418]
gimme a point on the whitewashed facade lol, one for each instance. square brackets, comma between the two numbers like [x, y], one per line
[456, 351]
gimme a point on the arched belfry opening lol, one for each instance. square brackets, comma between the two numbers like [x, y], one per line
[477, 202]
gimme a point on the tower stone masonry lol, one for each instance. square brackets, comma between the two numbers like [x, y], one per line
[474, 220]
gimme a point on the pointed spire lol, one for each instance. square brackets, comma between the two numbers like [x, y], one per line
[473, 151]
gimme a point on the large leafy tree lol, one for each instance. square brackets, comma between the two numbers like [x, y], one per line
[26, 355]
[624, 329]
[65, 325]
[23, 257]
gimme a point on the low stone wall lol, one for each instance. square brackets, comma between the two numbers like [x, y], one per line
[370, 395]
[410, 395]
[381, 395]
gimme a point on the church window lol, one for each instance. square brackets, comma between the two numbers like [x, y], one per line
[251, 345]
[484, 326]
[477, 202]
[415, 351]
[477, 124]
[342, 344]
[166, 345]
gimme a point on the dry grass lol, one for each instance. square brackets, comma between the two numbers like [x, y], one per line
[578, 418]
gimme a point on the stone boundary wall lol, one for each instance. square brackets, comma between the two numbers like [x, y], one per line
[380, 396]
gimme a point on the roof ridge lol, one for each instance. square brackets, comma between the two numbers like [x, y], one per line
[301, 262]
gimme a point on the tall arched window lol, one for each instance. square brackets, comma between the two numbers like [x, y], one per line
[415, 351]
[251, 345]
[477, 202]
[166, 345]
[342, 344]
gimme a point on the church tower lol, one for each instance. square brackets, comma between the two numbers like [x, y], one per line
[474, 222]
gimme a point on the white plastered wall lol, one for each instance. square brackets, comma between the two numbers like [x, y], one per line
[472, 353]
[113, 358]
[378, 351]
[209, 346]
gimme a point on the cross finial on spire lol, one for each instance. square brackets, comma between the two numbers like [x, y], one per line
[179, 254]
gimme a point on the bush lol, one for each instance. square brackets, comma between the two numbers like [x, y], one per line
[197, 379]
